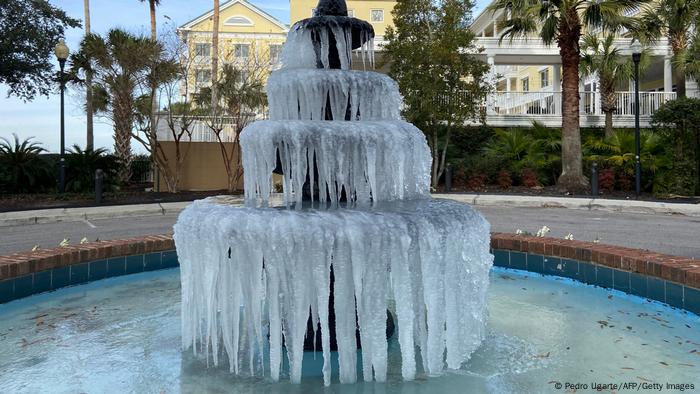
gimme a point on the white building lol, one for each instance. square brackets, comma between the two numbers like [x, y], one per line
[527, 75]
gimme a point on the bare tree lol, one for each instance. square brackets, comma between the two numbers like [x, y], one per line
[215, 57]
[241, 90]
[174, 123]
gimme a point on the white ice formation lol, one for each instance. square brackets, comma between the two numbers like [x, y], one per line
[430, 257]
[299, 51]
[300, 94]
[252, 276]
[372, 161]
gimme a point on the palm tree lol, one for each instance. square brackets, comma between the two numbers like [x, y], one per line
[152, 4]
[215, 57]
[88, 81]
[22, 170]
[562, 22]
[673, 19]
[601, 57]
[689, 60]
[121, 63]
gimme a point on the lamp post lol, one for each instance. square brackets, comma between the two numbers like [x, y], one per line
[636, 48]
[61, 51]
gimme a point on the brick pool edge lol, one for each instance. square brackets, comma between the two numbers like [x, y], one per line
[670, 279]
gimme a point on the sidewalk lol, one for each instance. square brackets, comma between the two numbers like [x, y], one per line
[120, 211]
[597, 204]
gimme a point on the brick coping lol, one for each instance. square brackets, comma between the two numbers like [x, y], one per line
[681, 270]
[23, 263]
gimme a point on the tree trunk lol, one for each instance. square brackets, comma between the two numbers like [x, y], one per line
[123, 122]
[608, 124]
[154, 86]
[90, 135]
[571, 178]
[152, 8]
[215, 56]
[608, 105]
[678, 45]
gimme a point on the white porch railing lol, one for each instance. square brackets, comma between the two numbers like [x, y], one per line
[549, 103]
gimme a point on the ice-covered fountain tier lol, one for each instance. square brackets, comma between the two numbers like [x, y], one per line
[252, 276]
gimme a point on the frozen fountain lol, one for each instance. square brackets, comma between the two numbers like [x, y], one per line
[253, 276]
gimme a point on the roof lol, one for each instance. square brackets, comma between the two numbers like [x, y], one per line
[252, 7]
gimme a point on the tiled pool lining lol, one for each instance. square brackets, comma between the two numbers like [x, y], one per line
[669, 279]
[28, 273]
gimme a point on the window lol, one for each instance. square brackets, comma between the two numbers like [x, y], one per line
[377, 15]
[241, 51]
[203, 76]
[275, 53]
[526, 84]
[544, 78]
[242, 77]
[351, 13]
[238, 20]
[202, 49]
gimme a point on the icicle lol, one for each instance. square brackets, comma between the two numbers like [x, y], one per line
[302, 94]
[381, 161]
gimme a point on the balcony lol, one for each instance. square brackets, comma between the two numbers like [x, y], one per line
[506, 109]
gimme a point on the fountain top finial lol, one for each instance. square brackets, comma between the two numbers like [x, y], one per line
[332, 8]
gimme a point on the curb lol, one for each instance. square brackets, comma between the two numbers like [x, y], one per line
[44, 216]
[590, 204]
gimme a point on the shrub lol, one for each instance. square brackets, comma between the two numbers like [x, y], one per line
[22, 168]
[81, 166]
[618, 152]
[504, 179]
[529, 178]
[606, 179]
[679, 121]
[477, 182]
[625, 182]
[537, 148]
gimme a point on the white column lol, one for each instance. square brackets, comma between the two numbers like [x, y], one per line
[582, 102]
[668, 74]
[508, 88]
[598, 109]
[490, 102]
[556, 88]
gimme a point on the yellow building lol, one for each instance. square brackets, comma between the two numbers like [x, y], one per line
[376, 12]
[248, 36]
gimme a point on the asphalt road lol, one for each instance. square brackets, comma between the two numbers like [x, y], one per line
[679, 235]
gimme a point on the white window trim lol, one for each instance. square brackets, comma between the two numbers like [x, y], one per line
[247, 23]
[197, 44]
[376, 9]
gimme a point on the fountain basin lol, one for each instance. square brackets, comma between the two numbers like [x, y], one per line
[103, 337]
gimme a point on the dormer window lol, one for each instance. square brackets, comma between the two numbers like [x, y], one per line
[238, 20]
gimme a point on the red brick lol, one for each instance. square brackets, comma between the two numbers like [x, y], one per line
[692, 278]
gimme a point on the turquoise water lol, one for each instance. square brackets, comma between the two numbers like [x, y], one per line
[123, 335]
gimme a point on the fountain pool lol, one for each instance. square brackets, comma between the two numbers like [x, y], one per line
[123, 335]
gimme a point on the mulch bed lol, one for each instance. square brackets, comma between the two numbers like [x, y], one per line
[552, 191]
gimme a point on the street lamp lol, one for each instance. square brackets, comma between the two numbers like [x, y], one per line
[62, 53]
[636, 48]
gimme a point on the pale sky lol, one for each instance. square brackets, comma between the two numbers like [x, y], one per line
[40, 118]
